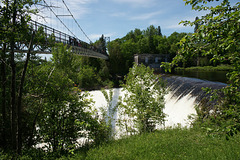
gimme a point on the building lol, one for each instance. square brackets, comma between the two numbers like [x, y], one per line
[152, 60]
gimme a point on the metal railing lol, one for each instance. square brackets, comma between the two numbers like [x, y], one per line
[79, 46]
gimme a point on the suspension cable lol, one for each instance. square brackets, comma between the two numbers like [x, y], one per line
[76, 21]
[59, 19]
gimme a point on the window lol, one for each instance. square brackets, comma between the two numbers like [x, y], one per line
[146, 59]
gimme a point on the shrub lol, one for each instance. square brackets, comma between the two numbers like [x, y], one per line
[143, 102]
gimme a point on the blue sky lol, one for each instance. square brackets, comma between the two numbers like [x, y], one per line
[115, 18]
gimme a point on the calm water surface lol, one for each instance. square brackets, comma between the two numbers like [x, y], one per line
[216, 76]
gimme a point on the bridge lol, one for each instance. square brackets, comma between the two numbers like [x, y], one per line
[52, 35]
[78, 47]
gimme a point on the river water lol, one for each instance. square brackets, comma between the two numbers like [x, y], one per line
[177, 110]
[184, 94]
[216, 76]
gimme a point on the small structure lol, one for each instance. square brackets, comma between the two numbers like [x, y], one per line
[152, 60]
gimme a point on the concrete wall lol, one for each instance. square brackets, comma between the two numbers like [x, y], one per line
[151, 60]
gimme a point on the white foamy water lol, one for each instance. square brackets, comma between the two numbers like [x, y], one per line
[177, 110]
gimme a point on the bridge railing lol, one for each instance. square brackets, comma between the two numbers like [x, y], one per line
[61, 37]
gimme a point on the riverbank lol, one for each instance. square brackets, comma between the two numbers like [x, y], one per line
[206, 68]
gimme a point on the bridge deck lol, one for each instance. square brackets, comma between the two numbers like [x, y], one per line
[78, 47]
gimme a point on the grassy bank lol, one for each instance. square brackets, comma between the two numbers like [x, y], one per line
[207, 68]
[168, 144]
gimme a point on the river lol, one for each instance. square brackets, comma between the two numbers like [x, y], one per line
[177, 110]
[184, 94]
[215, 76]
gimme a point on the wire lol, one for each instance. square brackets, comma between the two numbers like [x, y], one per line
[76, 21]
[59, 19]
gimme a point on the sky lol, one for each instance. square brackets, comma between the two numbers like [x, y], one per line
[115, 18]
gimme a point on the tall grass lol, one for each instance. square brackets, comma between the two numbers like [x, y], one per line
[169, 144]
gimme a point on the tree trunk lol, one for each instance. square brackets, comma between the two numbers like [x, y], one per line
[13, 103]
[4, 116]
[13, 81]
[20, 92]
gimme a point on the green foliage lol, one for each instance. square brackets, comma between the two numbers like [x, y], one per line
[58, 114]
[87, 77]
[63, 115]
[143, 102]
[39, 102]
[169, 144]
[174, 40]
[85, 72]
[207, 68]
[149, 41]
[14, 33]
[62, 57]
[217, 36]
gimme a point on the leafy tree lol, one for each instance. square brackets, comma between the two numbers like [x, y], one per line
[128, 49]
[173, 40]
[149, 41]
[143, 46]
[100, 45]
[162, 45]
[59, 113]
[218, 31]
[14, 18]
[138, 35]
[116, 58]
[91, 72]
[151, 31]
[31, 97]
[144, 98]
[87, 77]
[130, 36]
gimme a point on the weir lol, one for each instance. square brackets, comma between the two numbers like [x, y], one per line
[184, 93]
[183, 86]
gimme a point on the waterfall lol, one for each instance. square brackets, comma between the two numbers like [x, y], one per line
[183, 94]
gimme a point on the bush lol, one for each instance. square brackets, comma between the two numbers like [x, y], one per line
[143, 102]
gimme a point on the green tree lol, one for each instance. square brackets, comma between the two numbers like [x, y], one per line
[218, 31]
[174, 40]
[14, 19]
[59, 113]
[159, 31]
[116, 58]
[128, 49]
[143, 47]
[138, 35]
[144, 98]
[151, 31]
[100, 45]
[64, 114]
[162, 45]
